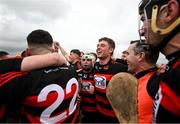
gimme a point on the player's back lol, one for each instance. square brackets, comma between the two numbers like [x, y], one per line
[51, 96]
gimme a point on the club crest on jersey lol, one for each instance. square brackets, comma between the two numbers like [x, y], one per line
[100, 82]
[86, 86]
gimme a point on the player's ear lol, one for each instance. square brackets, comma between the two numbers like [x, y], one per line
[141, 56]
[172, 10]
[28, 52]
[53, 50]
[111, 50]
[168, 13]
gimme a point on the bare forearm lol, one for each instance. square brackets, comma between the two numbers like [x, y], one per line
[41, 61]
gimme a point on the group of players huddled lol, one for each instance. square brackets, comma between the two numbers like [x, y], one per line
[47, 85]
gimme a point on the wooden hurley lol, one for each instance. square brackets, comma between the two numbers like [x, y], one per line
[122, 94]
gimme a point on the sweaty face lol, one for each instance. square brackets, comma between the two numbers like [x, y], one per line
[132, 59]
[103, 50]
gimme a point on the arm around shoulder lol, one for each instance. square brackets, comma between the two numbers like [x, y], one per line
[41, 61]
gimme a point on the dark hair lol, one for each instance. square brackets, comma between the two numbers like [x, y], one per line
[109, 41]
[76, 51]
[134, 41]
[40, 37]
[151, 56]
[94, 54]
[3, 53]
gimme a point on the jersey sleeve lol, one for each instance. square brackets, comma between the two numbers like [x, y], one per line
[8, 65]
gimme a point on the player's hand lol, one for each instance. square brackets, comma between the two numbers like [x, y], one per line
[56, 46]
[161, 68]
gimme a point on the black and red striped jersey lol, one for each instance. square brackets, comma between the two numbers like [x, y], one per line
[102, 76]
[165, 90]
[46, 95]
[11, 64]
[88, 100]
[8, 65]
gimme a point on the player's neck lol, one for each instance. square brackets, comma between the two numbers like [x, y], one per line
[87, 70]
[38, 52]
[75, 61]
[104, 61]
[172, 46]
[143, 67]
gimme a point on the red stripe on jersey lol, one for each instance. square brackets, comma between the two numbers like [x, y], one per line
[4, 80]
[32, 100]
[73, 90]
[9, 75]
[88, 100]
[86, 92]
[75, 117]
[35, 119]
[107, 76]
[176, 64]
[88, 109]
[170, 100]
[100, 90]
[102, 99]
[106, 111]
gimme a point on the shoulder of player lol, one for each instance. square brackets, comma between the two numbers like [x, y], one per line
[10, 64]
[118, 65]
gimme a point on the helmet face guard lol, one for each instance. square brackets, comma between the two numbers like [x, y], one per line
[148, 11]
[146, 6]
[145, 9]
